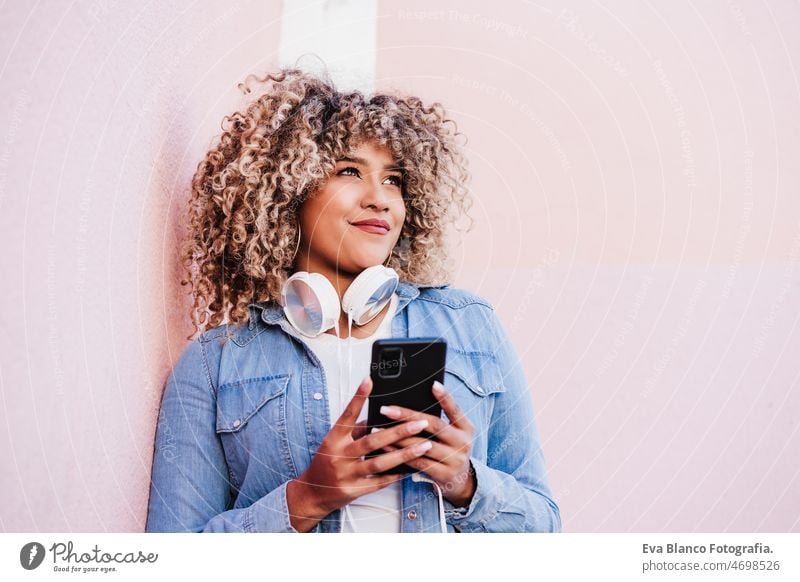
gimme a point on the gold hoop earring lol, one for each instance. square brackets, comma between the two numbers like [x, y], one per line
[297, 246]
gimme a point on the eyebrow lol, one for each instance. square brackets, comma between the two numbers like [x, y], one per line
[363, 162]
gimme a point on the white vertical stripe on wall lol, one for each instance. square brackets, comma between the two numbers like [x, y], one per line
[342, 33]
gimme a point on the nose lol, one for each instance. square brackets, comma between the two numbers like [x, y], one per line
[375, 195]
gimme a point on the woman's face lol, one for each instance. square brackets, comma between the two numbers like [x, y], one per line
[355, 218]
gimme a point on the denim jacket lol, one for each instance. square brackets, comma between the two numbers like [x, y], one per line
[246, 407]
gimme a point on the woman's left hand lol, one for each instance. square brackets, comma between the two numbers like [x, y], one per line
[447, 462]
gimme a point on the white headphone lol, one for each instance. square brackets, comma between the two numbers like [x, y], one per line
[311, 303]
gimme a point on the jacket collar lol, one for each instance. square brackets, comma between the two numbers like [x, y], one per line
[272, 312]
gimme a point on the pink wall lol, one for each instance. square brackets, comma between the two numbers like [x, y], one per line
[636, 176]
[636, 184]
[105, 113]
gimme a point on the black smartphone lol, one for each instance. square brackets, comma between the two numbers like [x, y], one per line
[403, 372]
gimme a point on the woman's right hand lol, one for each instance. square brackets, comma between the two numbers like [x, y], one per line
[338, 474]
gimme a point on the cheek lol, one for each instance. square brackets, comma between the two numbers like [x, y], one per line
[321, 212]
[399, 212]
[399, 219]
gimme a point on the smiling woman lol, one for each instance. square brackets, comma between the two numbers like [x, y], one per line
[299, 141]
[319, 218]
[353, 221]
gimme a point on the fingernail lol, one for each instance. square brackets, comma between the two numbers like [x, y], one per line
[417, 425]
[438, 388]
[423, 447]
[390, 411]
[375, 429]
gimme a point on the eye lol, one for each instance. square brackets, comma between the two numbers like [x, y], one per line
[349, 169]
[353, 171]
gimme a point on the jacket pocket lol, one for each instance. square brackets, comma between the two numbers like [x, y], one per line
[475, 370]
[241, 401]
[474, 380]
[251, 423]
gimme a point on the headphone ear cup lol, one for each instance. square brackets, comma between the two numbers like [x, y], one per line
[369, 293]
[310, 303]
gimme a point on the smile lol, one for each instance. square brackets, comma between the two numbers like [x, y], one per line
[372, 227]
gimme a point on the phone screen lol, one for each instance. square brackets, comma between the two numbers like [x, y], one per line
[403, 372]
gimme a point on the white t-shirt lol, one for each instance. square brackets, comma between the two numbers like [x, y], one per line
[378, 511]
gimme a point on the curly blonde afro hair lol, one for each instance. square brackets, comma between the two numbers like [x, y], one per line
[243, 210]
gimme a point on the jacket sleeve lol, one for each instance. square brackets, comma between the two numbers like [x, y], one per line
[190, 490]
[512, 492]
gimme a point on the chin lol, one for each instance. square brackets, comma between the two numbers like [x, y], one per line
[361, 265]
[362, 262]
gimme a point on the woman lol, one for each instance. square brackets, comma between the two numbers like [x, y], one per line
[261, 428]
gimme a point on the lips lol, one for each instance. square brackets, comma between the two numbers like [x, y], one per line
[373, 225]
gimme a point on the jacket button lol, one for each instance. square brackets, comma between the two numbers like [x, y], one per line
[317, 395]
[237, 423]
[412, 515]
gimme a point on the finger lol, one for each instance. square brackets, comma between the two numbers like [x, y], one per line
[387, 461]
[438, 452]
[378, 482]
[363, 485]
[450, 407]
[347, 421]
[386, 436]
[434, 469]
[438, 427]
[360, 429]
